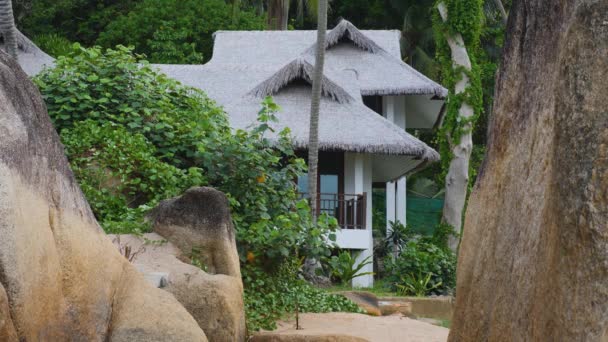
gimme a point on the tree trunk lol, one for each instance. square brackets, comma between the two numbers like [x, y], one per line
[278, 14]
[457, 179]
[533, 262]
[7, 27]
[285, 15]
[313, 142]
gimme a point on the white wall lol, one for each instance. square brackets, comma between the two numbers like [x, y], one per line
[421, 111]
[357, 180]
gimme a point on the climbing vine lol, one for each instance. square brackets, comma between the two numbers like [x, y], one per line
[465, 18]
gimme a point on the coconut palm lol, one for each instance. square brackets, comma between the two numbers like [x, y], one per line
[7, 27]
[313, 142]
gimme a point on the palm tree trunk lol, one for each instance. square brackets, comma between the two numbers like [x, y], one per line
[7, 27]
[313, 143]
[236, 8]
[285, 16]
[457, 179]
[278, 14]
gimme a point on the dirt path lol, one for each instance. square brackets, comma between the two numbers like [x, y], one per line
[375, 329]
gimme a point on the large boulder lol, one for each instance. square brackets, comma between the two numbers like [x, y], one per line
[63, 279]
[199, 222]
[214, 300]
[533, 262]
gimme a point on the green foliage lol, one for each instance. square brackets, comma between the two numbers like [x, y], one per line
[422, 257]
[419, 285]
[269, 297]
[176, 31]
[344, 268]
[53, 44]
[399, 235]
[119, 172]
[77, 20]
[118, 87]
[441, 235]
[135, 136]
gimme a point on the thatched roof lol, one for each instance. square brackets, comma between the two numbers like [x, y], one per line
[248, 65]
[31, 58]
[298, 69]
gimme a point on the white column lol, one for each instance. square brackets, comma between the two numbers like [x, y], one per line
[390, 206]
[399, 108]
[400, 201]
[388, 108]
[360, 179]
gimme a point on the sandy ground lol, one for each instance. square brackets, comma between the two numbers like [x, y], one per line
[394, 328]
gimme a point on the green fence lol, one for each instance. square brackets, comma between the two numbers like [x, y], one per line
[422, 215]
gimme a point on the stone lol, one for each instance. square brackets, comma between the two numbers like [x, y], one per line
[533, 261]
[7, 329]
[62, 277]
[199, 222]
[367, 301]
[214, 300]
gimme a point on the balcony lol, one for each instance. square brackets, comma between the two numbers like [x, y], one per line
[349, 210]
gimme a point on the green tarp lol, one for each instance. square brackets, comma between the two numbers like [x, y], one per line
[422, 215]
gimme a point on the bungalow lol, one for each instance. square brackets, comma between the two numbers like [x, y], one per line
[369, 97]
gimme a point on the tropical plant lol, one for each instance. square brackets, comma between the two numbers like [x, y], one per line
[398, 235]
[344, 268]
[419, 285]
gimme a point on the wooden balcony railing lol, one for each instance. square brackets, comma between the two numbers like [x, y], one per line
[349, 210]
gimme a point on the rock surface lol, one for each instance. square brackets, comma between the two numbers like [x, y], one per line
[214, 300]
[63, 279]
[199, 222]
[533, 262]
[367, 301]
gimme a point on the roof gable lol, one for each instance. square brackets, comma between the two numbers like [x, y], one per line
[297, 69]
[345, 30]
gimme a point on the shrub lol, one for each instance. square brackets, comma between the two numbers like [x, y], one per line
[421, 258]
[269, 297]
[118, 172]
[176, 31]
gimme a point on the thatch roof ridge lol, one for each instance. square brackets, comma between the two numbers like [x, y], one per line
[345, 29]
[299, 68]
